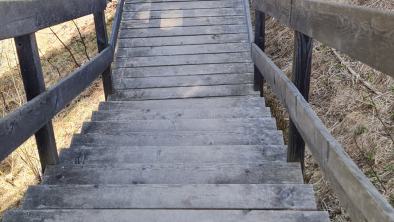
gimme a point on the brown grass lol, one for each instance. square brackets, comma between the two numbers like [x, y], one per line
[345, 106]
[22, 168]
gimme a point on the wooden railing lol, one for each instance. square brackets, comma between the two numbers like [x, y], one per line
[20, 20]
[364, 34]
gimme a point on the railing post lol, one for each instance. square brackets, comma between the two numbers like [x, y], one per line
[259, 40]
[302, 63]
[102, 43]
[33, 80]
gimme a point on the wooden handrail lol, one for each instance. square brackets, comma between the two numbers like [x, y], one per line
[363, 33]
[356, 193]
[24, 17]
[18, 126]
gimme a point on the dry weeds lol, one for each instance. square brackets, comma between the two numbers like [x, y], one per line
[22, 168]
[362, 121]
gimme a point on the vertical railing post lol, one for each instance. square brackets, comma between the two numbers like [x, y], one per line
[302, 63]
[33, 80]
[259, 40]
[102, 43]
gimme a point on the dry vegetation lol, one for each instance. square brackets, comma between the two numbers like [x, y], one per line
[22, 168]
[358, 111]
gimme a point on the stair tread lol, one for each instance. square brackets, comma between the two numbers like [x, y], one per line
[164, 196]
[169, 173]
[173, 154]
[166, 215]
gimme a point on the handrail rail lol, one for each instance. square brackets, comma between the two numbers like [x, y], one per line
[18, 126]
[343, 27]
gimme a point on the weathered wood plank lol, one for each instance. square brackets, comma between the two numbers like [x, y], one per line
[18, 126]
[183, 92]
[231, 124]
[153, 1]
[183, 22]
[161, 6]
[259, 39]
[182, 50]
[202, 80]
[182, 31]
[279, 9]
[202, 113]
[166, 215]
[151, 196]
[341, 26]
[175, 173]
[241, 154]
[241, 57]
[23, 17]
[183, 40]
[191, 138]
[116, 25]
[202, 103]
[33, 81]
[302, 68]
[188, 13]
[184, 70]
[248, 21]
[357, 194]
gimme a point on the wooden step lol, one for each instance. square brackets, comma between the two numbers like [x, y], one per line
[183, 22]
[198, 103]
[241, 154]
[236, 57]
[184, 70]
[185, 173]
[163, 196]
[182, 50]
[190, 138]
[183, 40]
[166, 216]
[161, 6]
[182, 31]
[183, 92]
[233, 124]
[176, 81]
[151, 1]
[187, 13]
[160, 114]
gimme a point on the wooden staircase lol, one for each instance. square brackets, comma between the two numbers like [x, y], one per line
[184, 138]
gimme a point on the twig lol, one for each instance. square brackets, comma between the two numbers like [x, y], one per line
[355, 74]
[76, 63]
[380, 119]
[49, 62]
[13, 80]
[369, 164]
[83, 41]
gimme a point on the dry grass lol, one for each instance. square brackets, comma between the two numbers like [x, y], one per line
[22, 168]
[346, 106]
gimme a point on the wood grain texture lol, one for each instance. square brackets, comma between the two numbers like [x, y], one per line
[187, 13]
[182, 31]
[184, 70]
[190, 138]
[116, 24]
[175, 173]
[302, 68]
[23, 17]
[248, 22]
[182, 50]
[227, 102]
[363, 33]
[183, 40]
[161, 6]
[18, 126]
[259, 40]
[151, 196]
[33, 81]
[169, 81]
[166, 215]
[237, 154]
[357, 195]
[183, 22]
